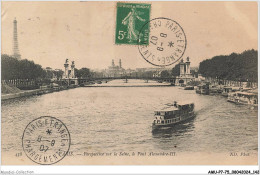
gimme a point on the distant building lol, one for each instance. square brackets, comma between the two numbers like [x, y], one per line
[129, 71]
[115, 71]
[185, 75]
[200, 78]
[48, 69]
[154, 72]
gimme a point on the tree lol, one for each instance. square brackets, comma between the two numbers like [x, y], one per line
[165, 74]
[58, 74]
[11, 68]
[236, 67]
[49, 74]
[83, 73]
[176, 70]
[148, 74]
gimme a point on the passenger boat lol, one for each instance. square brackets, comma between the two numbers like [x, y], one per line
[189, 88]
[246, 89]
[172, 114]
[207, 89]
[229, 89]
[226, 91]
[243, 98]
[203, 89]
[214, 90]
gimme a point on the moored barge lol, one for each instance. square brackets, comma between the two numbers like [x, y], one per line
[244, 98]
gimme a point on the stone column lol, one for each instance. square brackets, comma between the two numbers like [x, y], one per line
[188, 66]
[72, 70]
[120, 64]
[182, 64]
[66, 65]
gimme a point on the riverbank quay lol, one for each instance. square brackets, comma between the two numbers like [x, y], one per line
[41, 91]
[131, 86]
[239, 95]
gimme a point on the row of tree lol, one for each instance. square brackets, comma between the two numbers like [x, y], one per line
[87, 73]
[236, 67]
[11, 68]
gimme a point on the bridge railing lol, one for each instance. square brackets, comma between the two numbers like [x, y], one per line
[21, 83]
[165, 79]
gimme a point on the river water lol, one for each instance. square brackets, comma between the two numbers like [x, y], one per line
[119, 119]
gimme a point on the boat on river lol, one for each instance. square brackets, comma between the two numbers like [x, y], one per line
[226, 91]
[229, 89]
[203, 89]
[207, 89]
[172, 114]
[244, 98]
[189, 88]
[215, 90]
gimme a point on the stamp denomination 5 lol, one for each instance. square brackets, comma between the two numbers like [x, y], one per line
[130, 19]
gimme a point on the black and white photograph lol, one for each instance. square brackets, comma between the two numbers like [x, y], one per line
[129, 83]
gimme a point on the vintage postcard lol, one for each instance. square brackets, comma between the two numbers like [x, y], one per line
[129, 83]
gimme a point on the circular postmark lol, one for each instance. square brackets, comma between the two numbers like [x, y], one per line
[163, 43]
[46, 140]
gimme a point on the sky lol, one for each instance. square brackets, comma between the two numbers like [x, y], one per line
[50, 32]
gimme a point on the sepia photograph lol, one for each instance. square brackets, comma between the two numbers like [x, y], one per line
[129, 83]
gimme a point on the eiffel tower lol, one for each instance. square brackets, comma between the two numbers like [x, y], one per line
[16, 53]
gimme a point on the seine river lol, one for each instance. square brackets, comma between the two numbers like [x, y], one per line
[120, 118]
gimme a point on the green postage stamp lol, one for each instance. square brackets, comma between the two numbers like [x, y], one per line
[130, 19]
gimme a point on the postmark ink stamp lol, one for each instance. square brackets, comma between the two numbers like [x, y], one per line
[130, 18]
[46, 140]
[165, 44]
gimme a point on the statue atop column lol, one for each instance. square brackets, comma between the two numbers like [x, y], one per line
[72, 73]
[182, 72]
[188, 66]
[66, 66]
